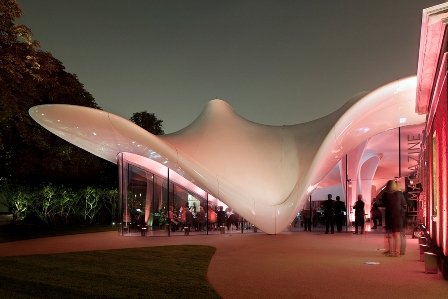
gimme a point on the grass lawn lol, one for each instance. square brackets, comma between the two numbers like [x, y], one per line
[154, 272]
[11, 233]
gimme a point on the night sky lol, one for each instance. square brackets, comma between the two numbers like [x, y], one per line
[274, 62]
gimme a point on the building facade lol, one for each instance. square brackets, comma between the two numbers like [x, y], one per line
[432, 101]
[265, 173]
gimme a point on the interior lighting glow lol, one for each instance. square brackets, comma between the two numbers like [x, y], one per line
[402, 120]
[94, 133]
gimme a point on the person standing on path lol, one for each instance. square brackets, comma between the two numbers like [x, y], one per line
[306, 217]
[375, 215]
[339, 209]
[395, 205]
[359, 214]
[329, 214]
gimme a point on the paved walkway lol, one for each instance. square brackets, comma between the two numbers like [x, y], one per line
[288, 265]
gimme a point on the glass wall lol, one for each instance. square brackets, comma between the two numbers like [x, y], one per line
[150, 206]
[153, 204]
[143, 200]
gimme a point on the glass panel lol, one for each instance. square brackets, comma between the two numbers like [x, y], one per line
[120, 192]
[123, 185]
[197, 208]
[178, 205]
[159, 206]
[136, 199]
[149, 214]
[212, 217]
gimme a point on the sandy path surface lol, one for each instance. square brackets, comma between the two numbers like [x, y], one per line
[288, 265]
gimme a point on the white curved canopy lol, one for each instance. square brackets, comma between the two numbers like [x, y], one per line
[265, 173]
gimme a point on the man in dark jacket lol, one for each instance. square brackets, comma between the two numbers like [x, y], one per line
[359, 214]
[339, 209]
[329, 214]
[222, 217]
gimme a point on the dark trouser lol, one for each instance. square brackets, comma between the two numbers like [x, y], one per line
[375, 222]
[307, 224]
[339, 220]
[329, 221]
[359, 221]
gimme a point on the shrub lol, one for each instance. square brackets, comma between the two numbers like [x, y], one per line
[55, 205]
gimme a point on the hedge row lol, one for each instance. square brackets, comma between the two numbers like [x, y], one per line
[49, 204]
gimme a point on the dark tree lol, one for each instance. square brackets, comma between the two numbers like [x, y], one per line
[148, 121]
[30, 154]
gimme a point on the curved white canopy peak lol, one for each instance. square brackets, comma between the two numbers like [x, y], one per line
[264, 173]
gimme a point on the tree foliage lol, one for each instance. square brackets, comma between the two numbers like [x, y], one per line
[148, 121]
[29, 77]
[55, 205]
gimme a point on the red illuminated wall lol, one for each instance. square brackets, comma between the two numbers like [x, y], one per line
[439, 228]
[441, 125]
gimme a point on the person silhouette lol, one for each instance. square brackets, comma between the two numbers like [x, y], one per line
[329, 214]
[359, 214]
[339, 209]
[306, 217]
[375, 214]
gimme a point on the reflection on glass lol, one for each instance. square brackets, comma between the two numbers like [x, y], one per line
[148, 205]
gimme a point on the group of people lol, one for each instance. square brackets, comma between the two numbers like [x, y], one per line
[395, 206]
[187, 217]
[375, 214]
[334, 213]
[228, 219]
